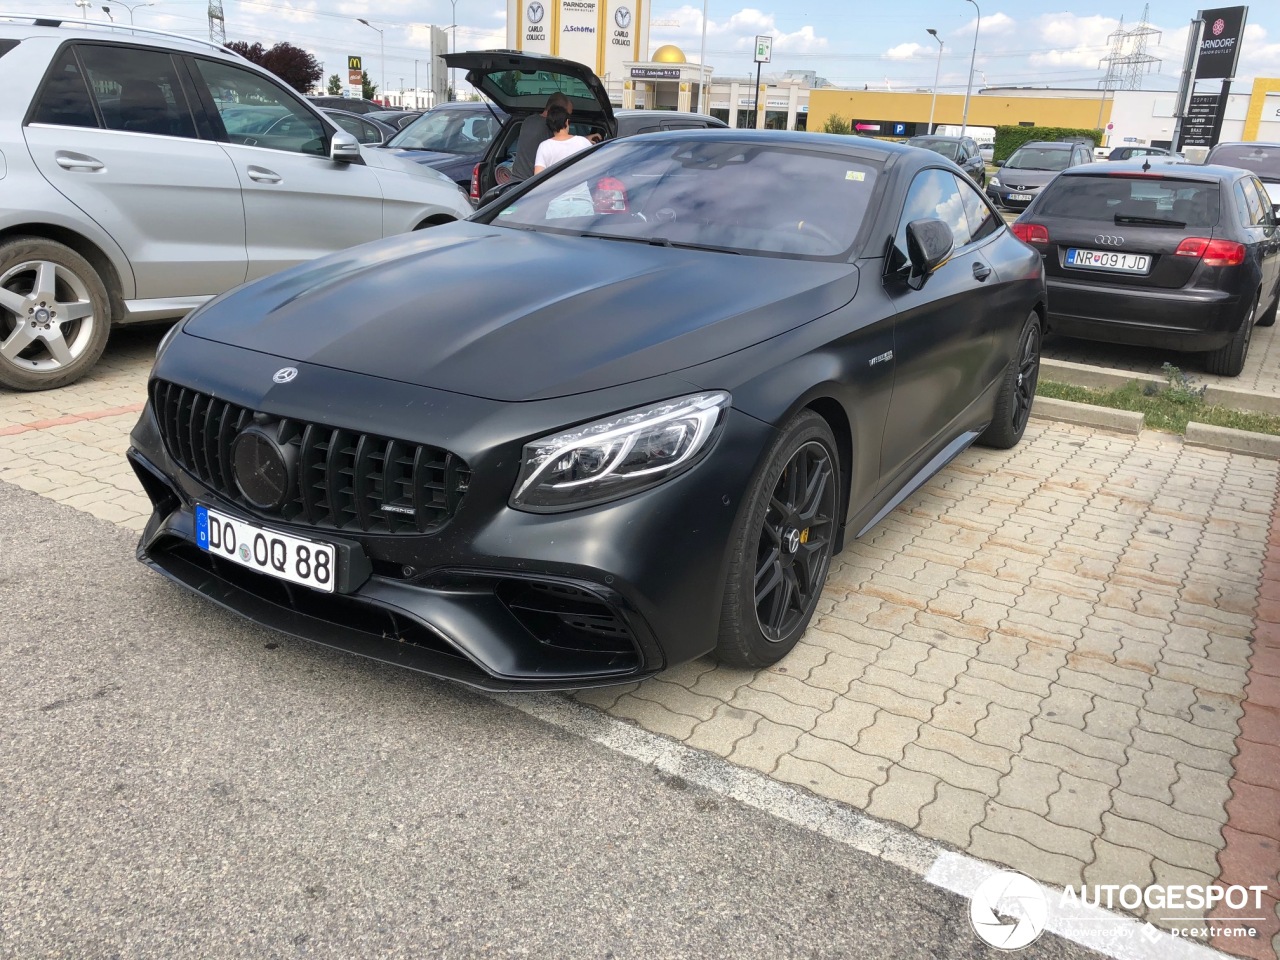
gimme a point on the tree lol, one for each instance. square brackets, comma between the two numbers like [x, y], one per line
[295, 66]
[369, 89]
[335, 85]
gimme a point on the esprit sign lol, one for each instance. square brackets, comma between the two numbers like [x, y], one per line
[1220, 42]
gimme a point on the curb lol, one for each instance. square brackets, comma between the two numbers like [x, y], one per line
[1241, 399]
[1233, 441]
[1097, 378]
[1068, 411]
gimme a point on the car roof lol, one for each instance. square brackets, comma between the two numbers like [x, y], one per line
[667, 115]
[18, 26]
[940, 137]
[1052, 143]
[1177, 170]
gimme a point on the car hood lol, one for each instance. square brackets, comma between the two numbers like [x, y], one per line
[375, 156]
[1026, 178]
[433, 158]
[515, 315]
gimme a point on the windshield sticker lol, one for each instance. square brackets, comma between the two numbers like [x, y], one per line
[855, 175]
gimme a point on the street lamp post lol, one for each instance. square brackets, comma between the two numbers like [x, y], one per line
[453, 48]
[382, 52]
[702, 65]
[107, 11]
[968, 87]
[130, 7]
[84, 6]
[936, 74]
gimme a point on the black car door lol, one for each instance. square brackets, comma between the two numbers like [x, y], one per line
[1266, 234]
[943, 332]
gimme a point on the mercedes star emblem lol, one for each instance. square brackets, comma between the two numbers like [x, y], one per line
[285, 374]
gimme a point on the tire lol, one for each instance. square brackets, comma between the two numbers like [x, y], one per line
[783, 540]
[1228, 361]
[1018, 392]
[52, 336]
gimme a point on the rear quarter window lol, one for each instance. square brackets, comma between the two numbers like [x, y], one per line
[64, 99]
[1101, 199]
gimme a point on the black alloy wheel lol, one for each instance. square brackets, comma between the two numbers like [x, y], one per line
[783, 546]
[1018, 393]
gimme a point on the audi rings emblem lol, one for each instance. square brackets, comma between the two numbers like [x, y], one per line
[285, 374]
[1106, 240]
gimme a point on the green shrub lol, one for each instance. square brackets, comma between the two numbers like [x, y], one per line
[836, 124]
[1009, 139]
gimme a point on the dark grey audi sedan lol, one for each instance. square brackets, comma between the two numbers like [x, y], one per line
[1168, 255]
[622, 417]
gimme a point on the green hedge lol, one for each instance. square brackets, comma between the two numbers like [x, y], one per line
[1009, 139]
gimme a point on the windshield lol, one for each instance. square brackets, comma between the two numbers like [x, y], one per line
[717, 194]
[1257, 158]
[1039, 158]
[449, 131]
[947, 148]
[1111, 199]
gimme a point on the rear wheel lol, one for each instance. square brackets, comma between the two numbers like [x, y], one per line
[1228, 361]
[1018, 392]
[54, 314]
[782, 546]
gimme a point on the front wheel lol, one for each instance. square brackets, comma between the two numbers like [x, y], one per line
[54, 314]
[1017, 392]
[1228, 360]
[782, 546]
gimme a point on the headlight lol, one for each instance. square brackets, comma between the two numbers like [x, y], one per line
[994, 181]
[618, 456]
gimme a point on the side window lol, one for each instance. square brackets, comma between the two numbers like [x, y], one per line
[1264, 200]
[362, 130]
[1242, 205]
[982, 220]
[1253, 203]
[64, 98]
[934, 194]
[137, 90]
[237, 93]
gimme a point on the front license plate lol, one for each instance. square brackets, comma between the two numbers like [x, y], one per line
[1107, 260]
[299, 561]
[1019, 196]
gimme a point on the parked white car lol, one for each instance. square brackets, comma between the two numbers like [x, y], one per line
[138, 184]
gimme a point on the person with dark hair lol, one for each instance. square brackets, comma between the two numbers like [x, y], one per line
[560, 144]
[532, 132]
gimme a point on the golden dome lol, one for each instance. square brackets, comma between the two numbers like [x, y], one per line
[668, 53]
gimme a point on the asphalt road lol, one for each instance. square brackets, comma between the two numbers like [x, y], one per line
[175, 782]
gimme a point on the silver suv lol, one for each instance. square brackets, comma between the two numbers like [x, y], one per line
[144, 173]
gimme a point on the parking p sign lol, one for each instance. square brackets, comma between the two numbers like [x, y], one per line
[764, 49]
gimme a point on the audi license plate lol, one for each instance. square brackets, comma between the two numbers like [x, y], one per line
[1108, 260]
[277, 554]
[1019, 196]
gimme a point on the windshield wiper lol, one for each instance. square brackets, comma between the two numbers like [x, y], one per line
[662, 242]
[1153, 221]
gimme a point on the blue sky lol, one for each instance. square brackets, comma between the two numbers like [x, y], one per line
[1030, 42]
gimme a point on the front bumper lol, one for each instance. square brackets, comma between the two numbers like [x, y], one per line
[1003, 196]
[1188, 320]
[497, 598]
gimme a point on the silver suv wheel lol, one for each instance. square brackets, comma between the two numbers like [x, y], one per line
[53, 314]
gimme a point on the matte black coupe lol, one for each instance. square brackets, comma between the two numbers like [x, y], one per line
[621, 418]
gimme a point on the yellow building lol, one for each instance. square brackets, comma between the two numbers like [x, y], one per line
[906, 114]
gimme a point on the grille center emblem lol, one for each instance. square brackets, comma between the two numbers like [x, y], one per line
[1108, 240]
[285, 374]
[263, 469]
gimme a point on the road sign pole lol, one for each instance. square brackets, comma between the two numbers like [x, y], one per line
[755, 101]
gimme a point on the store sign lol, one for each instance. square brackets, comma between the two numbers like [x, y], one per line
[655, 73]
[536, 36]
[1220, 43]
[764, 49]
[1203, 123]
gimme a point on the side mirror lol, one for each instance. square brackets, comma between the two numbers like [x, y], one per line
[493, 193]
[344, 148]
[929, 246]
[997, 163]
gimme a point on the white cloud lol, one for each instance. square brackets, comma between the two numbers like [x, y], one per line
[905, 51]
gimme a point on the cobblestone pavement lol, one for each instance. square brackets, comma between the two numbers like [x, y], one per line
[1261, 369]
[1040, 659]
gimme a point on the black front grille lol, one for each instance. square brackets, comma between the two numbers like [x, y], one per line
[342, 480]
[565, 616]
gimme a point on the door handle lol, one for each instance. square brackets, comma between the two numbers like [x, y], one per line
[263, 175]
[981, 271]
[78, 161]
